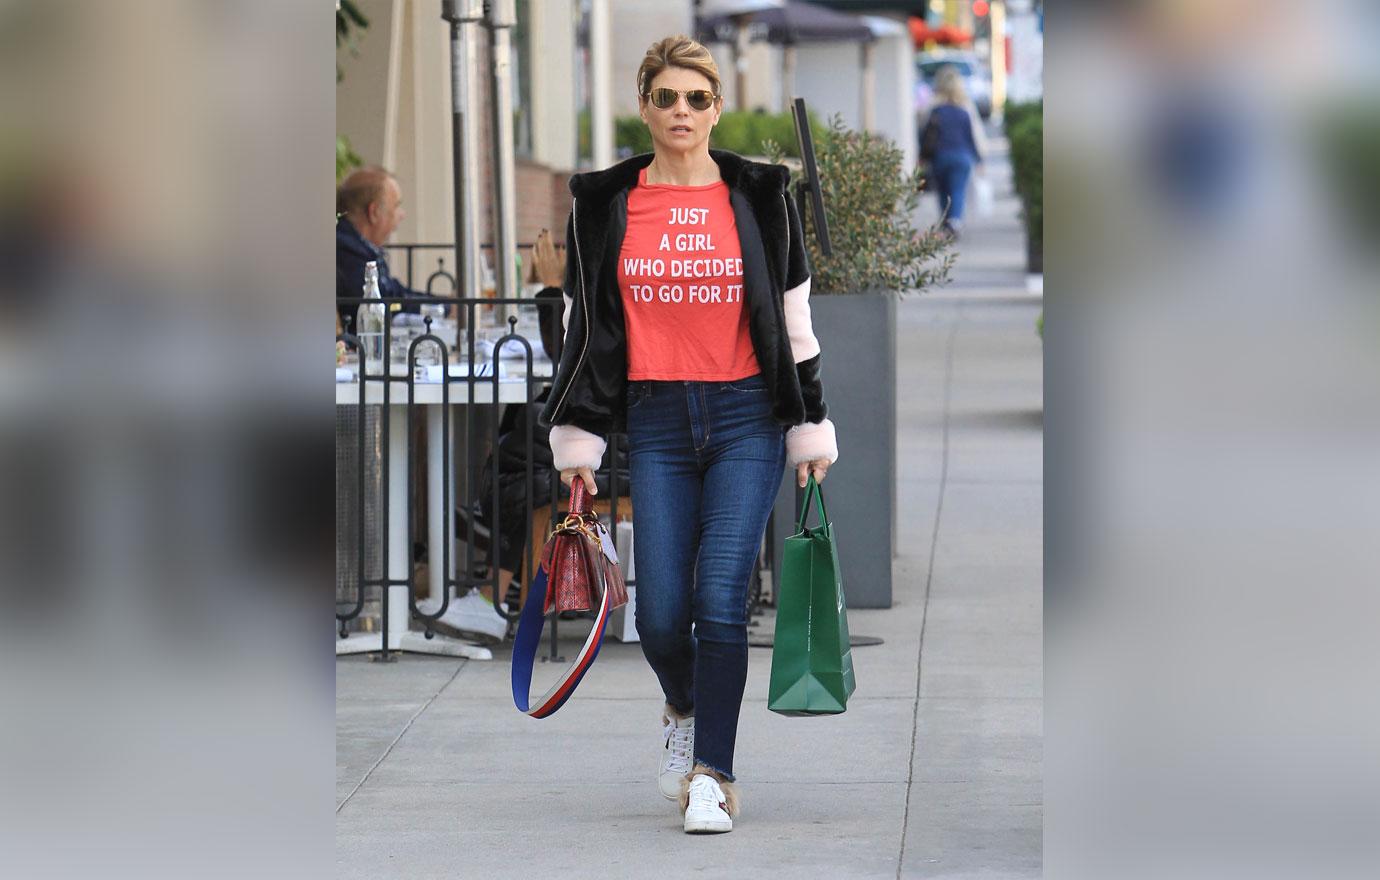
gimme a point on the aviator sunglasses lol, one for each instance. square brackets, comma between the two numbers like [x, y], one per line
[698, 99]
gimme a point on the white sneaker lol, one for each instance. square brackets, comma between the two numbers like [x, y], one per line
[677, 749]
[707, 812]
[470, 615]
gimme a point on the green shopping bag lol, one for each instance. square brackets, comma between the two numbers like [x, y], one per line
[811, 661]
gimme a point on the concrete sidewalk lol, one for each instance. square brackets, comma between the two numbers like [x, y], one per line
[934, 771]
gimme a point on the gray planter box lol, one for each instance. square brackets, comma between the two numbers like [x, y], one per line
[857, 334]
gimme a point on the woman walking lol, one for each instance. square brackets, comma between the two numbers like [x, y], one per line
[949, 145]
[688, 328]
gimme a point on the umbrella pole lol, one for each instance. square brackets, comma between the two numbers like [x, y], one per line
[464, 16]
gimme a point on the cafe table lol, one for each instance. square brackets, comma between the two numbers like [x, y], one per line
[512, 388]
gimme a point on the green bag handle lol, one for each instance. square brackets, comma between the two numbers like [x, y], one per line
[815, 491]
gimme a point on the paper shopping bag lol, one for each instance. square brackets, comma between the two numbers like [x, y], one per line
[811, 661]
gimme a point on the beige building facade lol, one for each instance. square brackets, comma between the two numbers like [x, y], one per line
[395, 98]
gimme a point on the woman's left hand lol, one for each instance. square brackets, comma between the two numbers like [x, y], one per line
[548, 263]
[820, 466]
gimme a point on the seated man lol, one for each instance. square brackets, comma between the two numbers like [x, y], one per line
[370, 204]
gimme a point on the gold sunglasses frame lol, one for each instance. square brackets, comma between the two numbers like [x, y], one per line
[686, 92]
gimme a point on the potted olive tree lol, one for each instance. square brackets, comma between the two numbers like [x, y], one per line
[877, 257]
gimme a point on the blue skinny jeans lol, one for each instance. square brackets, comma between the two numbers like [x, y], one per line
[951, 171]
[706, 461]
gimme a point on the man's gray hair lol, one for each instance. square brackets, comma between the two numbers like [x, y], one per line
[360, 189]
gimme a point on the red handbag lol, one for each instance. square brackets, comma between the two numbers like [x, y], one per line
[580, 560]
[578, 565]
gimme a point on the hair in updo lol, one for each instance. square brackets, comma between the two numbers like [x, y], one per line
[677, 51]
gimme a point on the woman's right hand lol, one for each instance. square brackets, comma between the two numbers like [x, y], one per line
[583, 473]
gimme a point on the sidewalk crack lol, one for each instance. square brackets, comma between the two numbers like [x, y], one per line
[401, 733]
[929, 578]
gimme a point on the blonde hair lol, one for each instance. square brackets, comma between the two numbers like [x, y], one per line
[948, 85]
[677, 51]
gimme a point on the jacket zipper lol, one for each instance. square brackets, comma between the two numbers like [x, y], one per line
[786, 225]
[580, 270]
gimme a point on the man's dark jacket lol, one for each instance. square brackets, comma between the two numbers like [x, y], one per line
[590, 387]
[352, 251]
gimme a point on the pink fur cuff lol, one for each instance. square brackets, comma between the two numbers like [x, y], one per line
[811, 440]
[573, 447]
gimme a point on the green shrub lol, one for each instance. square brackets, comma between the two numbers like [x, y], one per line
[1017, 114]
[745, 131]
[631, 132]
[870, 200]
[1349, 150]
[1025, 129]
[583, 147]
[349, 24]
[740, 131]
[346, 159]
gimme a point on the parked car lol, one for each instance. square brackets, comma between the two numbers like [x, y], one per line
[977, 79]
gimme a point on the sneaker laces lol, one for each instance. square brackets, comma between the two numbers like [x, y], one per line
[705, 792]
[678, 742]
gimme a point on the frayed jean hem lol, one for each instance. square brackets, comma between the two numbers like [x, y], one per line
[728, 777]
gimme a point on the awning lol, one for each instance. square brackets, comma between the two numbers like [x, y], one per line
[790, 23]
[914, 7]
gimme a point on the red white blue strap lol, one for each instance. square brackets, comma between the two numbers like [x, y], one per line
[527, 641]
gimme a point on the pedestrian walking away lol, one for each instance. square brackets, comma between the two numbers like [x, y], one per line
[949, 144]
[687, 327]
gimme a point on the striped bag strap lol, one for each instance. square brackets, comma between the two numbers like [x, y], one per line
[528, 640]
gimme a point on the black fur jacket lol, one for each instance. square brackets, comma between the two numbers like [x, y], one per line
[588, 396]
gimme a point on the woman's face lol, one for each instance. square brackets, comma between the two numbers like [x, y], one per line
[680, 128]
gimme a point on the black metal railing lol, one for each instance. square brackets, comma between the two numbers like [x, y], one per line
[410, 252]
[493, 383]
[557, 496]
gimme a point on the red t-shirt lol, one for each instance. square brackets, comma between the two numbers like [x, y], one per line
[680, 274]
